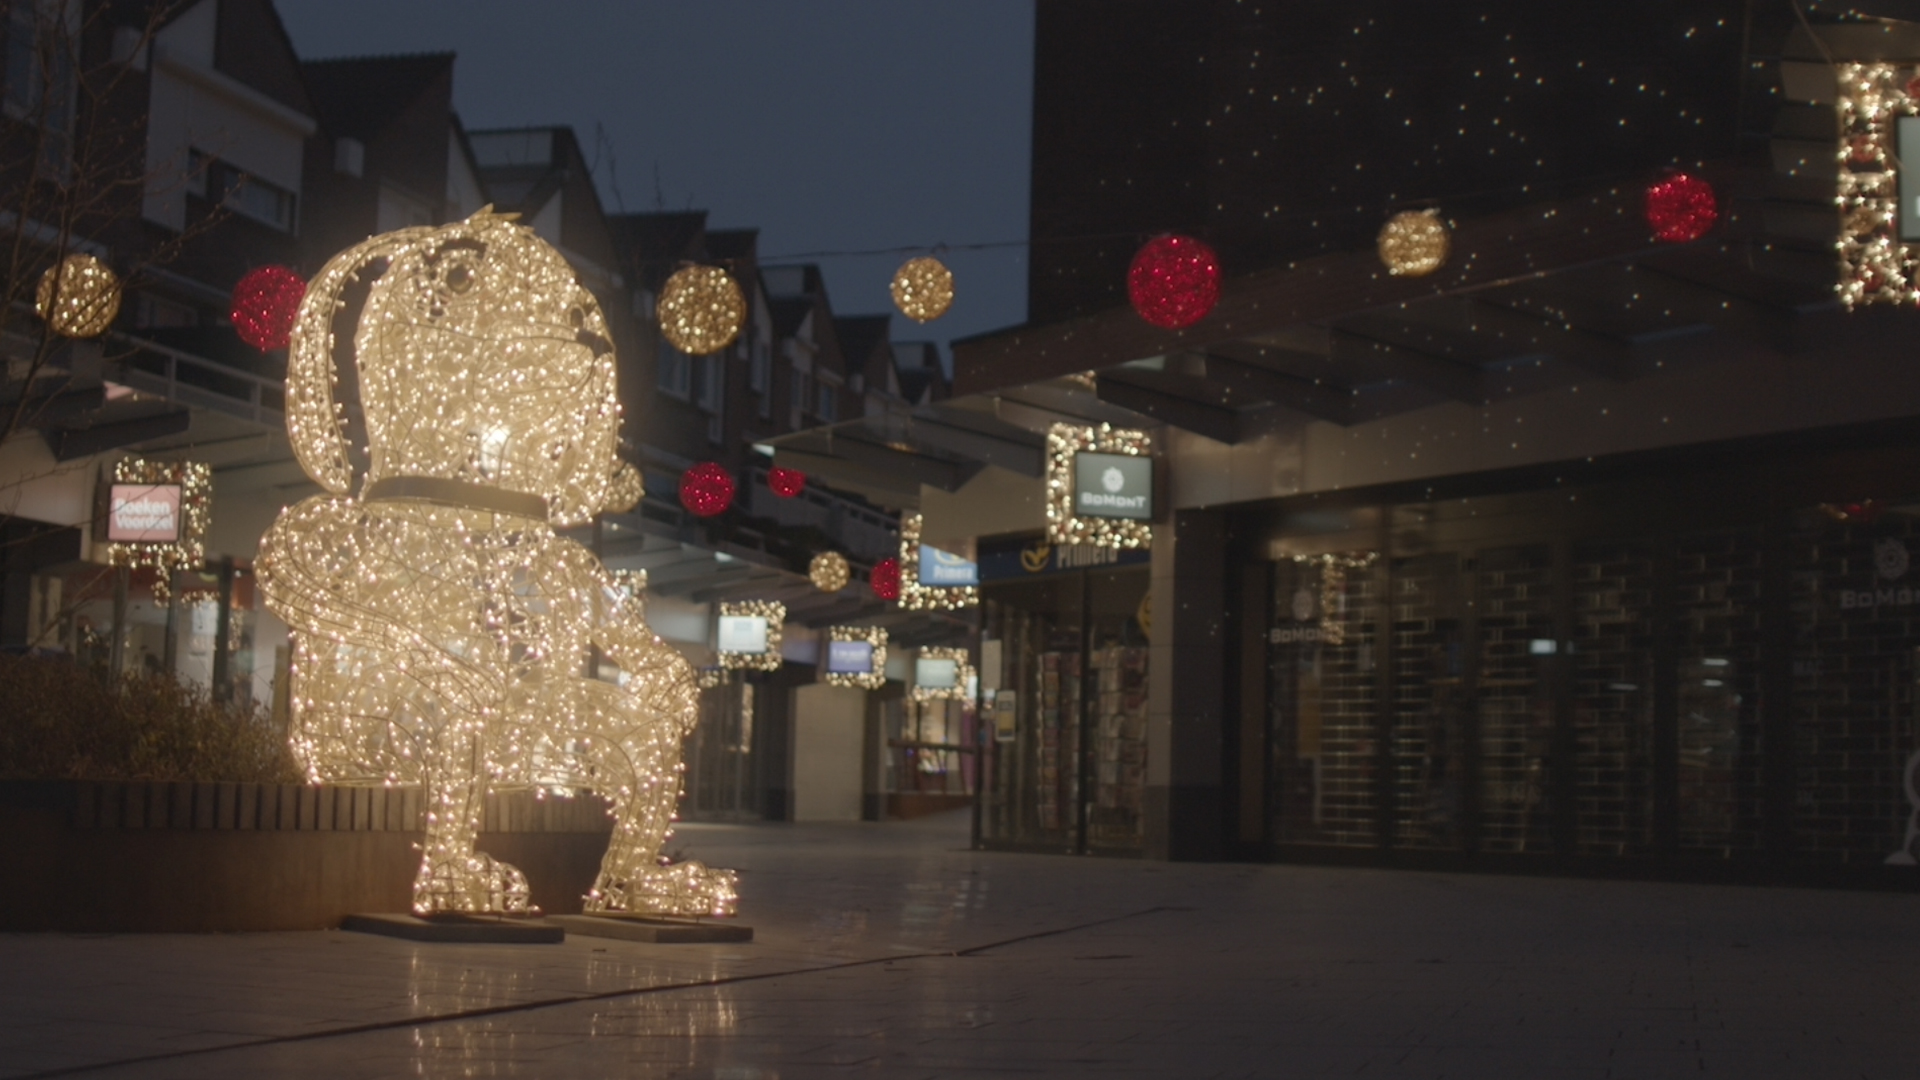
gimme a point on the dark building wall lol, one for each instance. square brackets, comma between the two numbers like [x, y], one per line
[1284, 128]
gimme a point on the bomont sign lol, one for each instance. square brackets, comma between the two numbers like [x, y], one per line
[1113, 485]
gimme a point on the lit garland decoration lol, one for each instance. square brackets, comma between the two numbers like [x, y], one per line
[196, 516]
[1875, 268]
[1173, 281]
[625, 489]
[962, 674]
[1414, 243]
[915, 596]
[88, 300]
[875, 636]
[706, 489]
[786, 483]
[1064, 441]
[633, 586]
[884, 578]
[923, 289]
[440, 626]
[265, 302]
[776, 615]
[700, 310]
[1333, 586]
[1680, 208]
[828, 571]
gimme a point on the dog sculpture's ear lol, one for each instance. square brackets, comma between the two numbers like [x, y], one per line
[315, 423]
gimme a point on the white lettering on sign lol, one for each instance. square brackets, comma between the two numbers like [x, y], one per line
[144, 514]
[1105, 500]
[1867, 598]
[1293, 635]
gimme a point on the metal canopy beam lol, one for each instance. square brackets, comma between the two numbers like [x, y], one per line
[78, 442]
[1397, 363]
[1321, 402]
[1025, 456]
[892, 488]
[1216, 422]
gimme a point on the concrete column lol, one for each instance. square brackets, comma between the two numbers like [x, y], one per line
[1186, 688]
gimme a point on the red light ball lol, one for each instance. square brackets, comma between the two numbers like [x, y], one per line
[885, 579]
[706, 489]
[265, 304]
[1174, 281]
[1681, 208]
[786, 483]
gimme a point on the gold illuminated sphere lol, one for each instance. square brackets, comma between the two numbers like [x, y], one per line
[1414, 243]
[701, 310]
[923, 289]
[89, 297]
[828, 571]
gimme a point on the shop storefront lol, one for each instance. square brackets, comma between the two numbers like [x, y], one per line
[1690, 667]
[1064, 671]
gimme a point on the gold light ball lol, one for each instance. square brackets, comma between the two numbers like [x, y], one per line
[626, 490]
[1414, 243]
[828, 571]
[701, 310]
[89, 297]
[923, 289]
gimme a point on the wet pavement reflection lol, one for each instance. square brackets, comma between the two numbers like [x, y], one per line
[891, 950]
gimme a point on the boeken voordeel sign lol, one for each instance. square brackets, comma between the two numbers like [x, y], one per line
[1113, 485]
[144, 514]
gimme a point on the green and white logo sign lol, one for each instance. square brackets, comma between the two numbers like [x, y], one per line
[1112, 485]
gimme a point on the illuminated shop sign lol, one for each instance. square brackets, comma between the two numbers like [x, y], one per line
[1113, 486]
[849, 657]
[744, 634]
[945, 568]
[1012, 560]
[749, 634]
[856, 656]
[936, 674]
[144, 514]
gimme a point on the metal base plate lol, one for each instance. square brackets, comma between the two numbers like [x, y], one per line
[479, 929]
[658, 929]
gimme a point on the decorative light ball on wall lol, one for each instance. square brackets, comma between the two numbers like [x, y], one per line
[1414, 243]
[706, 489]
[923, 289]
[1681, 208]
[828, 571]
[701, 310]
[1173, 281]
[89, 297]
[265, 304]
[786, 483]
[885, 579]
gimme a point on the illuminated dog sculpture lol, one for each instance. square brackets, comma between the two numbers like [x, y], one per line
[442, 631]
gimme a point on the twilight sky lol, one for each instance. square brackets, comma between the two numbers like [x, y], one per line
[834, 125]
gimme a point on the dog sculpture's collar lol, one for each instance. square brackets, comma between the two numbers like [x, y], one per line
[457, 493]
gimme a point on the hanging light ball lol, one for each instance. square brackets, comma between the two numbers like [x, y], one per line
[786, 483]
[1173, 281]
[265, 303]
[828, 571]
[1414, 243]
[626, 490]
[700, 310]
[885, 579]
[89, 297]
[923, 289]
[706, 489]
[1681, 208]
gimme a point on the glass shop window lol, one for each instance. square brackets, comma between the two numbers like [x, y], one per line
[674, 375]
[1322, 690]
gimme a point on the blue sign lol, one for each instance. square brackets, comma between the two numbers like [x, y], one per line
[850, 657]
[944, 568]
[1011, 560]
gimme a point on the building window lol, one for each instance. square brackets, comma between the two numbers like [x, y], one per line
[826, 400]
[40, 83]
[761, 368]
[675, 374]
[244, 194]
[712, 386]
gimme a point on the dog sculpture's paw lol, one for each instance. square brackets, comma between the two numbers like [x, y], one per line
[684, 888]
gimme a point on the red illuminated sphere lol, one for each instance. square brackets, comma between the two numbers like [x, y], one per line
[786, 483]
[265, 303]
[1174, 281]
[1681, 208]
[885, 579]
[706, 489]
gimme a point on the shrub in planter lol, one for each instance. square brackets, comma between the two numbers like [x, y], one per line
[61, 722]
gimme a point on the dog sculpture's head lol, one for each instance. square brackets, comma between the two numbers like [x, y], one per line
[480, 359]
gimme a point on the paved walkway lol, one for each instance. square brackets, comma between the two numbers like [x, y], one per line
[890, 951]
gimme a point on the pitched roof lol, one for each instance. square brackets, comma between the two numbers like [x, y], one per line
[653, 244]
[788, 313]
[862, 335]
[733, 243]
[357, 96]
